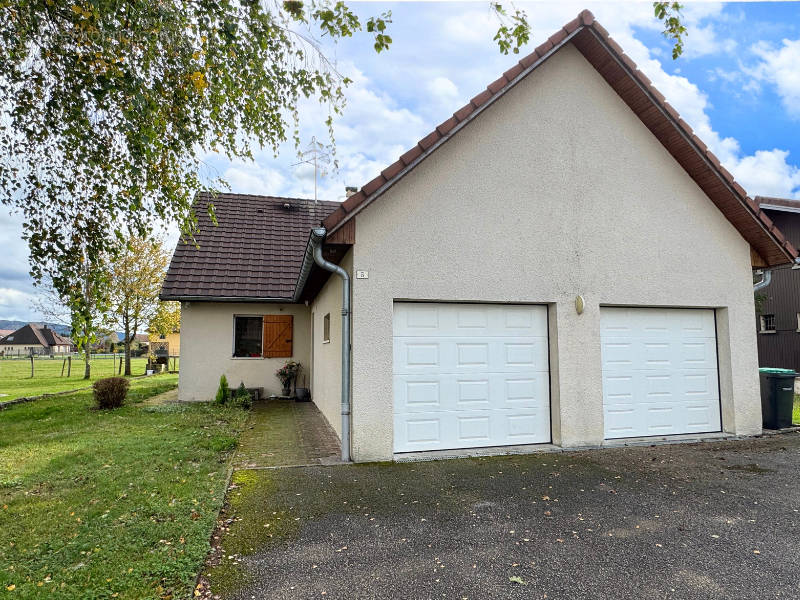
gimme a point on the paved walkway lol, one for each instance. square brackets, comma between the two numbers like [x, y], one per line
[167, 397]
[284, 433]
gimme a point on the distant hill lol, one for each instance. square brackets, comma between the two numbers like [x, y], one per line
[14, 325]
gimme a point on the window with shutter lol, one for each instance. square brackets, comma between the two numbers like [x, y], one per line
[278, 336]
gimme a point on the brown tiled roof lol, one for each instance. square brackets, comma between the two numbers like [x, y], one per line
[34, 334]
[254, 252]
[621, 73]
[768, 202]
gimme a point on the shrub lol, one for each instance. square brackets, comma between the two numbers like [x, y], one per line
[223, 393]
[110, 392]
[242, 397]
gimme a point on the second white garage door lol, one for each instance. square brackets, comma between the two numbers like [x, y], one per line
[470, 375]
[659, 371]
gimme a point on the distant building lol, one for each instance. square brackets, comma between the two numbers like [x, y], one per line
[34, 339]
[165, 345]
[778, 314]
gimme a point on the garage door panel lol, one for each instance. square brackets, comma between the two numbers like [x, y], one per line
[455, 392]
[470, 375]
[657, 323]
[621, 354]
[473, 354]
[470, 429]
[659, 372]
[444, 319]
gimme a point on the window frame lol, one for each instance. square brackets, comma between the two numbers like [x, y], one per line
[326, 328]
[233, 337]
[763, 324]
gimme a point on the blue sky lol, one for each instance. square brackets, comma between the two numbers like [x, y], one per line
[737, 85]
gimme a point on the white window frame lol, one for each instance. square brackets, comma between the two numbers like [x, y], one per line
[763, 324]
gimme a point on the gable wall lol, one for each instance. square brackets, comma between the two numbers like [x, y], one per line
[556, 190]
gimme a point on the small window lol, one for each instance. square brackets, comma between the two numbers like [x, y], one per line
[326, 328]
[247, 336]
[798, 321]
[162, 337]
[767, 323]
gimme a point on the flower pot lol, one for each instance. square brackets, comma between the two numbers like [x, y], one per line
[286, 391]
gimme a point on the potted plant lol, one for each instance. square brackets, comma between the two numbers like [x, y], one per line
[288, 374]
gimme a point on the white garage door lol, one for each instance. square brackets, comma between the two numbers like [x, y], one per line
[659, 371]
[470, 375]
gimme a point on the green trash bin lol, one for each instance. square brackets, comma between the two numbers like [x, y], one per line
[777, 397]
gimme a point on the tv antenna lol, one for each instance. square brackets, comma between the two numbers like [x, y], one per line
[318, 155]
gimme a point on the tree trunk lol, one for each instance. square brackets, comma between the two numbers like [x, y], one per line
[127, 348]
[87, 371]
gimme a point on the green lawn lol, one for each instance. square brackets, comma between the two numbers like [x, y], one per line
[110, 504]
[15, 375]
[796, 411]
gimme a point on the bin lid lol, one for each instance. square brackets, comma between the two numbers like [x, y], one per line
[776, 371]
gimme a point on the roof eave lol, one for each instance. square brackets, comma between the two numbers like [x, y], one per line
[243, 299]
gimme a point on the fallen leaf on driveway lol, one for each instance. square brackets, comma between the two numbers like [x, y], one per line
[517, 579]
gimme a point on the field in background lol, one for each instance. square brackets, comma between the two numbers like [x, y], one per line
[16, 382]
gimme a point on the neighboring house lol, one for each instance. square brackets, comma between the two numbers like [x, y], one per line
[518, 277]
[778, 304]
[5, 332]
[169, 343]
[34, 339]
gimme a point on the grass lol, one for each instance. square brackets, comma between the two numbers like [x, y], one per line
[110, 504]
[16, 382]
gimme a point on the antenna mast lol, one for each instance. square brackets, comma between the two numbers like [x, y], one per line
[318, 155]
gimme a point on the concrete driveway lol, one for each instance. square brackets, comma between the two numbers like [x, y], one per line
[712, 520]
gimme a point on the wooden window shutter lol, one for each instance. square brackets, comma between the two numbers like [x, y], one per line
[278, 331]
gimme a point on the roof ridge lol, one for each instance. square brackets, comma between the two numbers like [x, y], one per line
[265, 197]
[460, 118]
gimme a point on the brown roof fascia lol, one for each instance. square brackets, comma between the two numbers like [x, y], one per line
[753, 224]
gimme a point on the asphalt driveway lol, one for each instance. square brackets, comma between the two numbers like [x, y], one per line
[712, 520]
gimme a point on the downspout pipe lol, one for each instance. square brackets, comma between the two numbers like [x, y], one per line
[765, 281]
[767, 276]
[315, 244]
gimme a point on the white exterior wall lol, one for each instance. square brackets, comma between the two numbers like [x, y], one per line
[207, 348]
[556, 190]
[326, 389]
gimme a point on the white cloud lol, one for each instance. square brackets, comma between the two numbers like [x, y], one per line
[16, 304]
[767, 173]
[253, 179]
[443, 90]
[779, 66]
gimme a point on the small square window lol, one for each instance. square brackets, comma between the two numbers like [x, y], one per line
[247, 333]
[767, 322]
[326, 328]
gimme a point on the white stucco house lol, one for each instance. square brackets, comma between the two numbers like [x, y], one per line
[561, 262]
